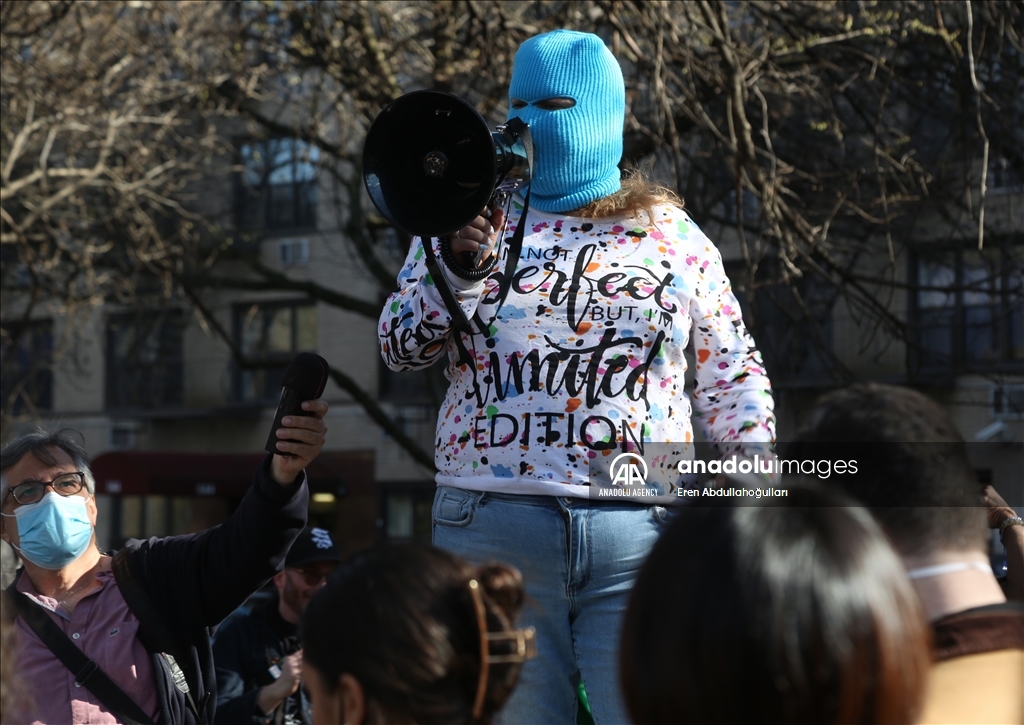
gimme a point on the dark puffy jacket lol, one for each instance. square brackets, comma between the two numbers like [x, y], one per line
[246, 649]
[196, 581]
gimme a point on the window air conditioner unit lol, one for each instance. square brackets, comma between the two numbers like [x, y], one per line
[1008, 402]
[293, 252]
[123, 434]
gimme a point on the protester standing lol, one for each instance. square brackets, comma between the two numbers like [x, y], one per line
[579, 354]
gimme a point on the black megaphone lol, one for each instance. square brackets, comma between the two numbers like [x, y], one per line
[431, 164]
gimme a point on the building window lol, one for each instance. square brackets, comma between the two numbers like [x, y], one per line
[1008, 402]
[26, 367]
[145, 368]
[269, 335]
[968, 310]
[279, 185]
[293, 252]
[1004, 177]
[750, 206]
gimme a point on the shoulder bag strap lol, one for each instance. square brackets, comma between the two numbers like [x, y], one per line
[87, 673]
[149, 617]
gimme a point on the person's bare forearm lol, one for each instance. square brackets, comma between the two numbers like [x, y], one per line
[269, 698]
[999, 512]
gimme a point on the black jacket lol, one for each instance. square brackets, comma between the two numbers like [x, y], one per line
[197, 580]
[246, 649]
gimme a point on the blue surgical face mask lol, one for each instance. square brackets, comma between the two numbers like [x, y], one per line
[54, 531]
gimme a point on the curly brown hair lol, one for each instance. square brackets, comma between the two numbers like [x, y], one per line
[638, 194]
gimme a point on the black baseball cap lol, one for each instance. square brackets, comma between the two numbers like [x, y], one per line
[313, 545]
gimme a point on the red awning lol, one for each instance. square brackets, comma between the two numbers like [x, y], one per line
[179, 473]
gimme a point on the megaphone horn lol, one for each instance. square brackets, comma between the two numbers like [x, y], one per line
[431, 164]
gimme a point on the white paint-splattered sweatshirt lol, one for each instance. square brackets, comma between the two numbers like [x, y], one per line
[585, 358]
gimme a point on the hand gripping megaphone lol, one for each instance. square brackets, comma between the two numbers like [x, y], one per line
[431, 164]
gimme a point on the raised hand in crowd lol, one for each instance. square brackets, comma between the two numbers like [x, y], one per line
[303, 437]
[1004, 519]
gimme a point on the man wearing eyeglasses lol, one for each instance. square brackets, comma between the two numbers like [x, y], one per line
[188, 584]
[259, 664]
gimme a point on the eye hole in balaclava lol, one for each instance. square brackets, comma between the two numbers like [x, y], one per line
[568, 87]
[547, 104]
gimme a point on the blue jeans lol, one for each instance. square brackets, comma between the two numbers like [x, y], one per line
[579, 560]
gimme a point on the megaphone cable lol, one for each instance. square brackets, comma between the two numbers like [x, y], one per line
[460, 321]
[459, 270]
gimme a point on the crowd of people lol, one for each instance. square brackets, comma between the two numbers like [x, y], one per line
[866, 597]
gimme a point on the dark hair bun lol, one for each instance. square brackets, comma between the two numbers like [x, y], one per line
[503, 585]
[404, 621]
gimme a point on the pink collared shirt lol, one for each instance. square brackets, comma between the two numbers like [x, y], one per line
[105, 630]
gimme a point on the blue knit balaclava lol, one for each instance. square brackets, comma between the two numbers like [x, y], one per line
[576, 150]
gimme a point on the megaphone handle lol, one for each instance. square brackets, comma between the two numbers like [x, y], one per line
[466, 268]
[471, 260]
[515, 245]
